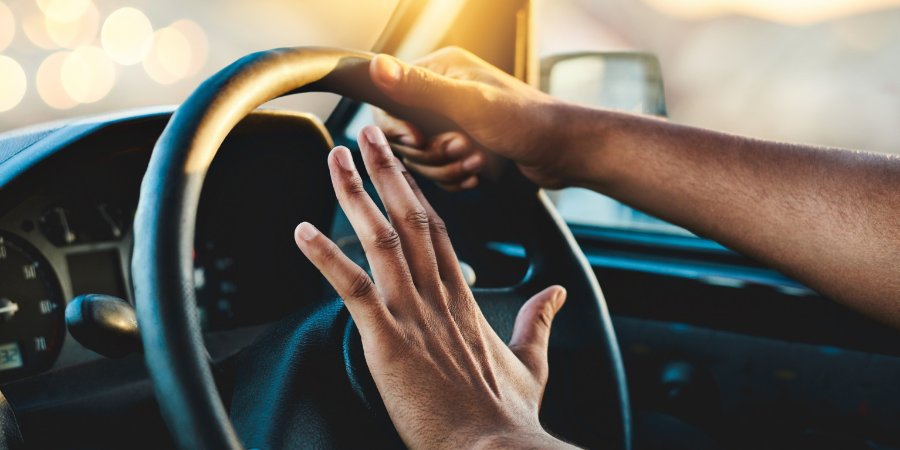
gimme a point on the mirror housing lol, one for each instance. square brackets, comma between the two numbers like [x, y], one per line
[627, 81]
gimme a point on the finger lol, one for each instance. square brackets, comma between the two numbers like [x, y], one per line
[379, 239]
[446, 58]
[468, 183]
[448, 264]
[347, 278]
[407, 215]
[443, 148]
[452, 173]
[398, 130]
[531, 332]
[421, 87]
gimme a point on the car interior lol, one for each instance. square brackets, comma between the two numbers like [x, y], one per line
[151, 295]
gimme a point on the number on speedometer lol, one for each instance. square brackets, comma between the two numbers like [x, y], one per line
[32, 310]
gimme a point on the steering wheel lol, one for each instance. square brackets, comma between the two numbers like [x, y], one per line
[305, 382]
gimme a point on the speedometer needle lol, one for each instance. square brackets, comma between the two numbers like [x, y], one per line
[8, 308]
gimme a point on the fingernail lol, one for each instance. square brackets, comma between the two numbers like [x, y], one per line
[469, 183]
[306, 231]
[455, 147]
[387, 68]
[344, 158]
[375, 136]
[559, 298]
[472, 163]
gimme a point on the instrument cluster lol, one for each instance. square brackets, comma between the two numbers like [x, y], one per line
[67, 231]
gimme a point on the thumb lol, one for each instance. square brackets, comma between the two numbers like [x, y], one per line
[531, 333]
[414, 85]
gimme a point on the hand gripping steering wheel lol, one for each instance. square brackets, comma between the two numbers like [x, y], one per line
[305, 384]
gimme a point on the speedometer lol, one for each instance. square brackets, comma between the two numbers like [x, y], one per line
[32, 310]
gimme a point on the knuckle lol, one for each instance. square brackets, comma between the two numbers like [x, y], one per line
[330, 253]
[360, 286]
[385, 160]
[545, 316]
[453, 51]
[386, 238]
[438, 226]
[427, 82]
[354, 187]
[417, 219]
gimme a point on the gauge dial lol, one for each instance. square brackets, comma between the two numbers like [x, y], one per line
[32, 310]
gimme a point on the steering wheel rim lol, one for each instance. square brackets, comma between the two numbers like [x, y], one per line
[162, 267]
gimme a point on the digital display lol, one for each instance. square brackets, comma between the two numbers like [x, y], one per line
[96, 273]
[10, 356]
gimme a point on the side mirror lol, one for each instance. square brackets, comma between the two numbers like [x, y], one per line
[628, 81]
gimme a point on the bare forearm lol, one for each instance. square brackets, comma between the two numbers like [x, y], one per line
[830, 218]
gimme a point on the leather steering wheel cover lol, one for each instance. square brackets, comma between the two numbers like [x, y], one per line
[165, 222]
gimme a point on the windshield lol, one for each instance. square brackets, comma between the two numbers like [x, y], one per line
[822, 73]
[69, 58]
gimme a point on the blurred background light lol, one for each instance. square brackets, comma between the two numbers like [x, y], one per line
[87, 74]
[7, 26]
[198, 41]
[64, 10]
[179, 51]
[127, 36]
[783, 11]
[12, 83]
[817, 71]
[157, 51]
[34, 25]
[50, 82]
[75, 32]
[169, 59]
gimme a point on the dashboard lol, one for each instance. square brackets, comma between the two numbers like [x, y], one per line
[65, 230]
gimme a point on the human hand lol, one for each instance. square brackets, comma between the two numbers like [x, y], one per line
[499, 117]
[446, 378]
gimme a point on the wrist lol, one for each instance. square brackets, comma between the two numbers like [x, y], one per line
[579, 139]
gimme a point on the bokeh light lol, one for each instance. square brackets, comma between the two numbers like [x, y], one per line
[64, 10]
[7, 26]
[76, 32]
[49, 82]
[199, 43]
[178, 51]
[13, 82]
[87, 74]
[170, 58]
[127, 36]
[34, 24]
